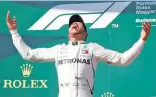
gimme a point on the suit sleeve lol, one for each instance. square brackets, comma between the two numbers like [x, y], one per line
[117, 58]
[39, 54]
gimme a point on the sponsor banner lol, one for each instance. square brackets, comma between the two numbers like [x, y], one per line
[113, 24]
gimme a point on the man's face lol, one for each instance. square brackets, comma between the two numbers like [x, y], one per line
[77, 30]
[76, 27]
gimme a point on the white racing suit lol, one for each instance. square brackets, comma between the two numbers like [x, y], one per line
[76, 64]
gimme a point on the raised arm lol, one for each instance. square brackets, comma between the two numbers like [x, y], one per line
[40, 54]
[122, 59]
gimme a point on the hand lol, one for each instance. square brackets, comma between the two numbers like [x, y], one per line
[145, 30]
[11, 23]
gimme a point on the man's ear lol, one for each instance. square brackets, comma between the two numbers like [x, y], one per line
[86, 37]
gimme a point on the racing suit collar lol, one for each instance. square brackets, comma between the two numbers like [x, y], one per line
[76, 42]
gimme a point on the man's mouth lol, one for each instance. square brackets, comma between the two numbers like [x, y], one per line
[75, 26]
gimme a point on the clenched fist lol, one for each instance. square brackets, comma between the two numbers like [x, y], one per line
[145, 30]
[11, 23]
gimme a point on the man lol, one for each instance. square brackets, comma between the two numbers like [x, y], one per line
[76, 61]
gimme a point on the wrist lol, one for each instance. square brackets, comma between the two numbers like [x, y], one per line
[142, 40]
[13, 31]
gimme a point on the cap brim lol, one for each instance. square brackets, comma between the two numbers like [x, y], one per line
[75, 18]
